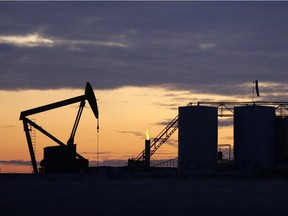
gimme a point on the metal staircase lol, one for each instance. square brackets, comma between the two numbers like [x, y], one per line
[225, 109]
[160, 139]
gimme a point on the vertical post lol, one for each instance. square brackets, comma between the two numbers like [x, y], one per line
[253, 89]
[30, 146]
[147, 153]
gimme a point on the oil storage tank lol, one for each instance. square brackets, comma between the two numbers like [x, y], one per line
[197, 137]
[281, 140]
[254, 134]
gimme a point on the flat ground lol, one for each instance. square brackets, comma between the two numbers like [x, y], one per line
[92, 194]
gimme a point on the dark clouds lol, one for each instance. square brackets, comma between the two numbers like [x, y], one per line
[209, 47]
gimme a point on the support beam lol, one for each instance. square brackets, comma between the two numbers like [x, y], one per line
[52, 106]
[30, 146]
[76, 123]
[48, 135]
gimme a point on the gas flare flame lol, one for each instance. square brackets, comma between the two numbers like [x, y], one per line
[147, 135]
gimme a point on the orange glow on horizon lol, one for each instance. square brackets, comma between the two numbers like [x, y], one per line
[124, 114]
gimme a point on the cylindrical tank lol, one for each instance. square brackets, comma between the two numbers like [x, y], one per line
[254, 135]
[281, 140]
[197, 137]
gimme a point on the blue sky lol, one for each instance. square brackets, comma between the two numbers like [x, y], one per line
[205, 47]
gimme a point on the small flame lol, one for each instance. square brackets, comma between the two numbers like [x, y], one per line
[147, 135]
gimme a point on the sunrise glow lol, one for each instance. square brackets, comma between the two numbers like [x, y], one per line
[141, 67]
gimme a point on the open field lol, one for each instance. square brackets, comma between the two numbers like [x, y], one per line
[92, 194]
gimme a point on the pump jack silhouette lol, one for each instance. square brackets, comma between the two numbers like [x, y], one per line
[63, 158]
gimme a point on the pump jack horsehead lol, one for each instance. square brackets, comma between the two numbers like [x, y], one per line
[88, 95]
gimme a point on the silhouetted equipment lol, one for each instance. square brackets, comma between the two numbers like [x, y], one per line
[145, 163]
[160, 139]
[260, 142]
[197, 138]
[225, 109]
[63, 158]
[172, 163]
[33, 135]
[281, 140]
[219, 155]
[147, 152]
[254, 135]
[223, 147]
[257, 88]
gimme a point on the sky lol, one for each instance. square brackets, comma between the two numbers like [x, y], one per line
[143, 60]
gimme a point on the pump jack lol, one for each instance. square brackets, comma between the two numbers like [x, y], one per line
[74, 159]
